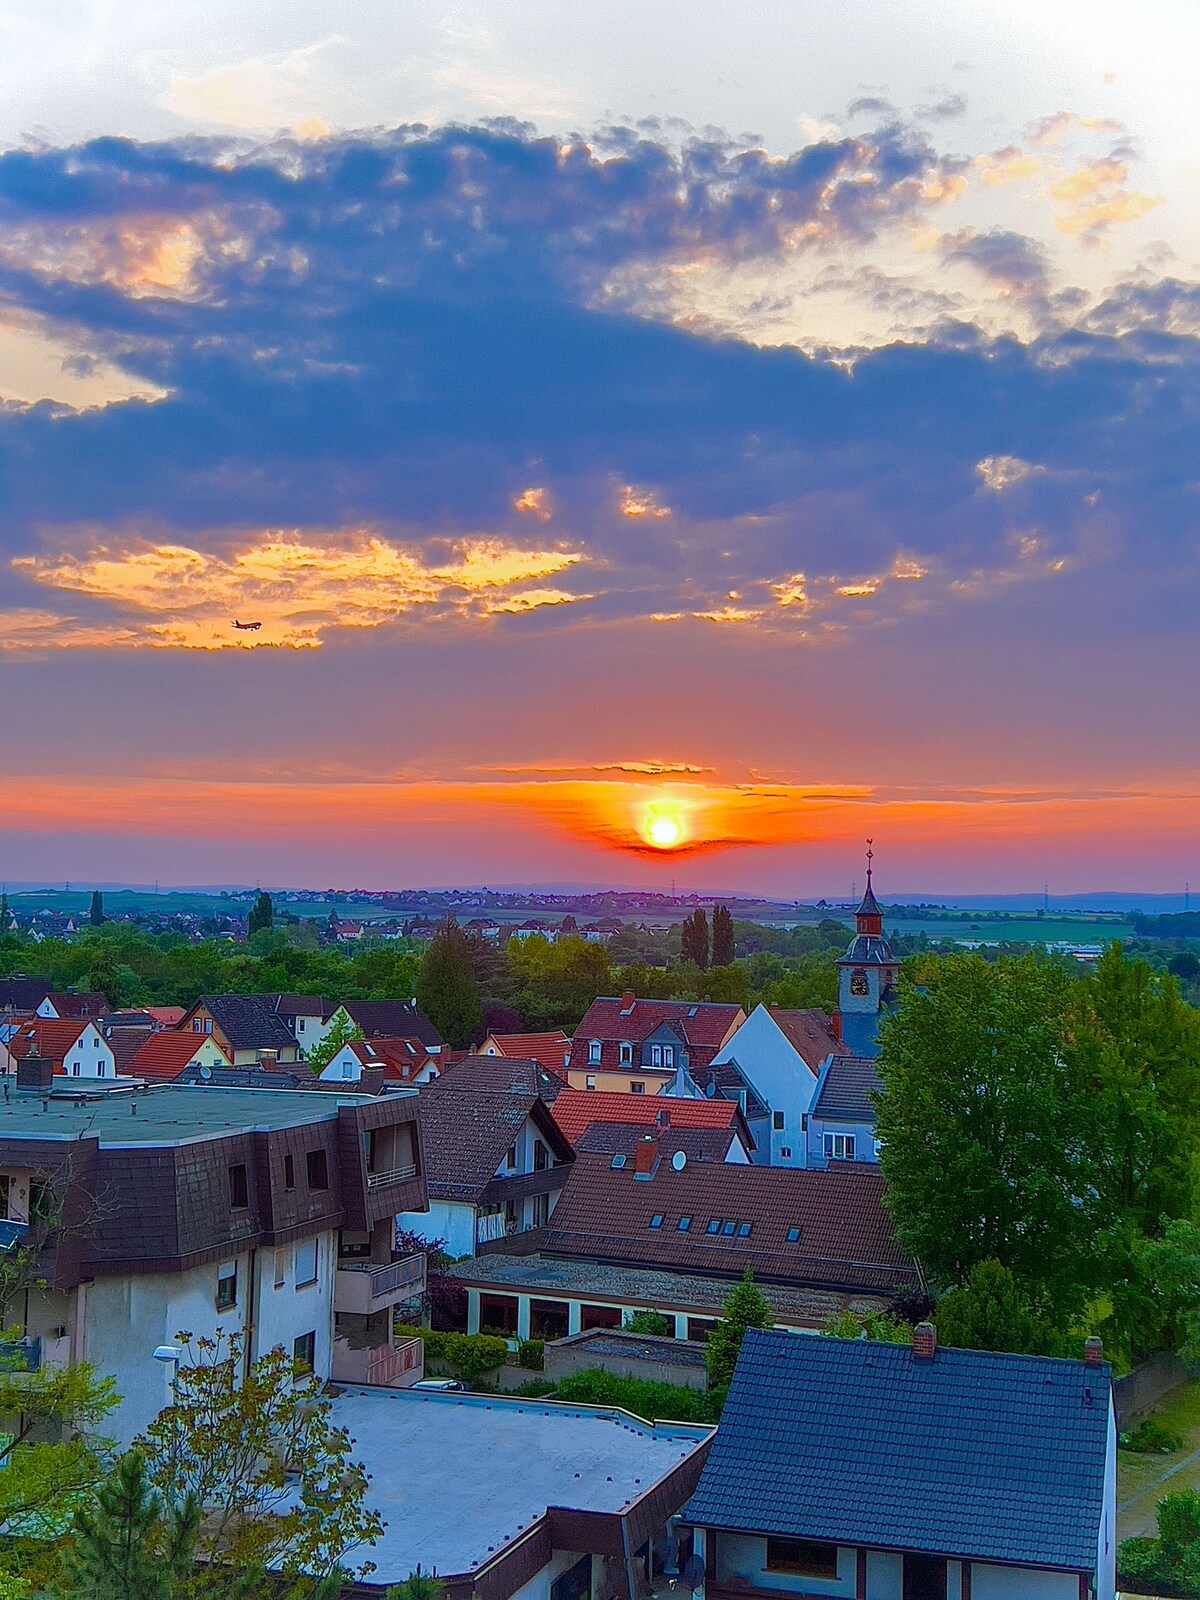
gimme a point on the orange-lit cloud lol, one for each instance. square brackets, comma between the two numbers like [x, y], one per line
[536, 501]
[296, 587]
[1005, 472]
[1092, 198]
[637, 502]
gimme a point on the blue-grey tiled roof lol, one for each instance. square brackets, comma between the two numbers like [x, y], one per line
[990, 1457]
[844, 1095]
[870, 950]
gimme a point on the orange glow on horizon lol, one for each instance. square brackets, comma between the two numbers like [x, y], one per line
[664, 826]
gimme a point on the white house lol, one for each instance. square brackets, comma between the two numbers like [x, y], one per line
[770, 1066]
[75, 1048]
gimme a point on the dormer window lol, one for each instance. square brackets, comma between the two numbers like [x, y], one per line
[593, 1052]
[626, 1053]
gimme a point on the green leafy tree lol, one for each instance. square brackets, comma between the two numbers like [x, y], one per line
[446, 988]
[417, 1586]
[343, 1031]
[52, 1454]
[652, 1323]
[993, 1312]
[722, 937]
[987, 1130]
[262, 915]
[693, 937]
[96, 909]
[279, 1492]
[128, 1543]
[877, 1325]
[746, 1307]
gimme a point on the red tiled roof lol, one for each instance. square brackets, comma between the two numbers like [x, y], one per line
[810, 1032]
[702, 1026]
[166, 1016]
[50, 1037]
[165, 1055]
[93, 1004]
[548, 1049]
[576, 1109]
[401, 1059]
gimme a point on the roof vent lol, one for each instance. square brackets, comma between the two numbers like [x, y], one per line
[679, 1160]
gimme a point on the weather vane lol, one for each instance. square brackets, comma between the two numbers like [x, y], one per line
[870, 858]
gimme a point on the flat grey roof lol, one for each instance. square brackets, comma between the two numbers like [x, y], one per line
[456, 1477]
[166, 1114]
[594, 1280]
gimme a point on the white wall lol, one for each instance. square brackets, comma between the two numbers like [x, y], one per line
[782, 1080]
[744, 1556]
[538, 1587]
[885, 1575]
[122, 1320]
[446, 1219]
[1018, 1583]
[90, 1056]
[1106, 1542]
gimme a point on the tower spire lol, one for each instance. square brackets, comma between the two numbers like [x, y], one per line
[870, 858]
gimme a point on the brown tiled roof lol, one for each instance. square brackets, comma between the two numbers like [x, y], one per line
[504, 1073]
[248, 1021]
[300, 1005]
[702, 1026]
[810, 1032]
[392, 1019]
[550, 1049]
[50, 1037]
[575, 1110]
[845, 1233]
[621, 1138]
[465, 1136]
[165, 1054]
[92, 1004]
[125, 1042]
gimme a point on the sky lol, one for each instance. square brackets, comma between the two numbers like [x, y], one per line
[657, 442]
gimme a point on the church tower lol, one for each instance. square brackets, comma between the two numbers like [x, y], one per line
[866, 974]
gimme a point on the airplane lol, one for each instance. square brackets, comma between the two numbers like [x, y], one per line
[247, 627]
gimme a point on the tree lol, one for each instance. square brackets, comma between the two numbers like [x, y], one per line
[343, 1032]
[417, 1586]
[53, 1454]
[128, 1543]
[722, 937]
[96, 909]
[652, 1323]
[273, 1477]
[262, 915]
[693, 939]
[1185, 966]
[993, 1312]
[746, 1307]
[986, 1127]
[446, 988]
[877, 1325]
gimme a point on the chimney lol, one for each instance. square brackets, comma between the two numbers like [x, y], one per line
[268, 1058]
[663, 1116]
[645, 1157]
[627, 999]
[835, 1026]
[35, 1072]
[924, 1344]
[1093, 1352]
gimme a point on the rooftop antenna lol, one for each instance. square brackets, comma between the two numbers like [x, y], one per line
[1045, 897]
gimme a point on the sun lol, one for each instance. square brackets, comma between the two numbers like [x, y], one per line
[664, 827]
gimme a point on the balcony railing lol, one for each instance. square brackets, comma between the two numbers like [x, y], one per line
[380, 1180]
[362, 1288]
[396, 1365]
[20, 1355]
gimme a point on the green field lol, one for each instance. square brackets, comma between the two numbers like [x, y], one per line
[1024, 927]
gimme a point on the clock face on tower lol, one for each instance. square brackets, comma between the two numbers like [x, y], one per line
[858, 982]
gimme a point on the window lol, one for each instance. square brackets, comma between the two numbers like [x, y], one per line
[541, 1156]
[802, 1558]
[839, 1146]
[5, 1193]
[540, 1211]
[280, 1268]
[43, 1207]
[304, 1263]
[777, 1121]
[589, 1082]
[510, 1158]
[239, 1189]
[289, 1172]
[714, 1225]
[785, 1152]
[636, 1088]
[656, 1055]
[684, 1224]
[197, 1025]
[593, 1052]
[727, 1228]
[626, 1053]
[617, 1163]
[348, 1068]
[793, 1235]
[208, 1024]
[318, 1169]
[656, 1220]
[227, 1286]
[304, 1351]
[744, 1229]
[668, 1055]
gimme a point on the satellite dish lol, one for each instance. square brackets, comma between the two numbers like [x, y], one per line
[206, 1073]
[679, 1160]
[693, 1571]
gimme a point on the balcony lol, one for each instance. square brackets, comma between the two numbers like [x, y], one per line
[360, 1288]
[380, 1180]
[395, 1366]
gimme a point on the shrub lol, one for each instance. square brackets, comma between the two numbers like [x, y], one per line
[654, 1401]
[531, 1353]
[1151, 1438]
[471, 1355]
[652, 1323]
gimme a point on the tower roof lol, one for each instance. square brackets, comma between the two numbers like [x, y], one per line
[870, 907]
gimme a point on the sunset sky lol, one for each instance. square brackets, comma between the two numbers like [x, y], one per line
[660, 440]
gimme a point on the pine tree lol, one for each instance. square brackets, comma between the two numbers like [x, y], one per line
[694, 939]
[262, 914]
[746, 1307]
[722, 937]
[447, 991]
[96, 909]
[126, 1544]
